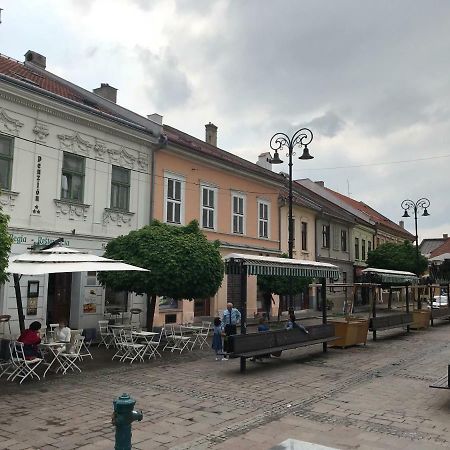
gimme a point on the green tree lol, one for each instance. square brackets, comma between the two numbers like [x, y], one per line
[281, 285]
[397, 257]
[5, 246]
[183, 264]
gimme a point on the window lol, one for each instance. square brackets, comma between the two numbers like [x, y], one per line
[91, 279]
[369, 247]
[344, 240]
[363, 249]
[304, 236]
[115, 301]
[120, 188]
[6, 160]
[208, 212]
[263, 219]
[356, 248]
[174, 198]
[238, 214]
[326, 236]
[344, 277]
[72, 181]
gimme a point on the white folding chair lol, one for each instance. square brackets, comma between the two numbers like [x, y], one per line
[203, 334]
[106, 337]
[152, 346]
[179, 341]
[118, 341]
[24, 367]
[84, 351]
[133, 350]
[68, 358]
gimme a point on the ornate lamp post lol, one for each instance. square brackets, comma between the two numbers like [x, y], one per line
[301, 138]
[421, 205]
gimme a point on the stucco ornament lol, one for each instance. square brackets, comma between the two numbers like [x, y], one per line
[8, 199]
[41, 131]
[75, 143]
[119, 218]
[9, 123]
[71, 211]
[121, 157]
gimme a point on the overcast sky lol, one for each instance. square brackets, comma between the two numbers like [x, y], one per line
[370, 78]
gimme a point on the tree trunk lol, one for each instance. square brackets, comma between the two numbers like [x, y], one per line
[151, 305]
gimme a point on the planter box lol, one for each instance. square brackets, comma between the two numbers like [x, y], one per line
[350, 332]
[421, 319]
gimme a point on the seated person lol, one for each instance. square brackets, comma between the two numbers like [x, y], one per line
[291, 324]
[31, 339]
[262, 325]
[62, 332]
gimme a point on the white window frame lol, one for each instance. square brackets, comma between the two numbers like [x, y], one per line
[172, 176]
[203, 207]
[262, 219]
[243, 215]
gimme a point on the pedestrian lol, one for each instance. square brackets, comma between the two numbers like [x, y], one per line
[231, 317]
[293, 324]
[31, 338]
[268, 301]
[217, 339]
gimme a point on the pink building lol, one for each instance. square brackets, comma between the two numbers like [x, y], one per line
[234, 201]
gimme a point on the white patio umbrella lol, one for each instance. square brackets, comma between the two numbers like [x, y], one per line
[58, 259]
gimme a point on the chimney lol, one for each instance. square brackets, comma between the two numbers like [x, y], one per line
[402, 223]
[106, 91]
[211, 134]
[264, 160]
[320, 183]
[155, 117]
[35, 59]
[445, 235]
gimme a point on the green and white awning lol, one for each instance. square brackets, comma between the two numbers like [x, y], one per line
[391, 276]
[267, 265]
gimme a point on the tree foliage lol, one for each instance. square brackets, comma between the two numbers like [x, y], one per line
[5, 246]
[397, 257]
[183, 264]
[440, 272]
[282, 285]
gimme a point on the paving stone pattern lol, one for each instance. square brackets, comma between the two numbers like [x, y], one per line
[365, 397]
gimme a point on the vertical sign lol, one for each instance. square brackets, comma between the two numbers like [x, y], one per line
[37, 186]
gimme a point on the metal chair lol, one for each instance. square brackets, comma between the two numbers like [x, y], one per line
[68, 358]
[24, 367]
[106, 337]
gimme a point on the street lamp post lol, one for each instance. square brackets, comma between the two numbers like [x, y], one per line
[420, 205]
[301, 138]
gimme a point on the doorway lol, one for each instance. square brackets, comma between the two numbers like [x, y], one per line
[58, 297]
[202, 307]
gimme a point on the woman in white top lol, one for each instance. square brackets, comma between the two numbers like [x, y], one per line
[62, 332]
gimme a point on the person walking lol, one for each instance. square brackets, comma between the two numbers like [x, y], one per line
[231, 317]
[217, 339]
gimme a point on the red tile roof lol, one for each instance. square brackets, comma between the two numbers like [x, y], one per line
[443, 248]
[197, 146]
[374, 215]
[19, 71]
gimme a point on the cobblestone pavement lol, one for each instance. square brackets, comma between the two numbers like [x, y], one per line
[372, 397]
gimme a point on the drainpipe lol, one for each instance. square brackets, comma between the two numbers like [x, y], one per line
[161, 144]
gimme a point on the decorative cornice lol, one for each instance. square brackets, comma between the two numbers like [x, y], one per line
[9, 123]
[7, 199]
[117, 217]
[74, 143]
[75, 119]
[70, 210]
[41, 130]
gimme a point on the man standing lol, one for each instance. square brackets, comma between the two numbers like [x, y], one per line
[231, 316]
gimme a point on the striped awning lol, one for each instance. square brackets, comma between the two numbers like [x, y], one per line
[385, 276]
[267, 265]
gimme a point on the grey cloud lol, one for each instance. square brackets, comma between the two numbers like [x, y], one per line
[329, 124]
[167, 86]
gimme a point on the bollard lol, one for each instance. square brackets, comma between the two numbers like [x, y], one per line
[124, 415]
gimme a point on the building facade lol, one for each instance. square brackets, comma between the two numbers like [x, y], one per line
[73, 165]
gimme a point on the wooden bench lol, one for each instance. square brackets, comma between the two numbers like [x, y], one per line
[390, 321]
[439, 313]
[267, 342]
[442, 383]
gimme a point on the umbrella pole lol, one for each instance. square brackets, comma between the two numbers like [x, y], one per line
[19, 302]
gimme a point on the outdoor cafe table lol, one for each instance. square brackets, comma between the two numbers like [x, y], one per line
[192, 330]
[146, 337]
[55, 349]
